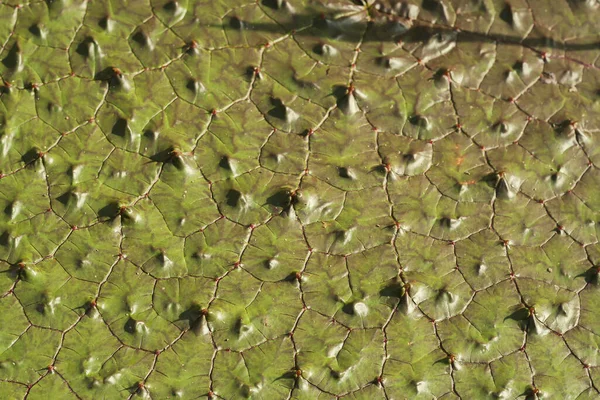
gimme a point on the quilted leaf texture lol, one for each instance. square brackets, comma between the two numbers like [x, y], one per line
[300, 199]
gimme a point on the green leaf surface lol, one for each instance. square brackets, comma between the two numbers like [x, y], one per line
[299, 199]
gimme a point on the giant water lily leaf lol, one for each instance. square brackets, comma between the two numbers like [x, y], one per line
[300, 199]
